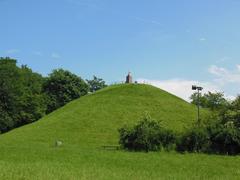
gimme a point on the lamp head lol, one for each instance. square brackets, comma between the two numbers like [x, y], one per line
[194, 87]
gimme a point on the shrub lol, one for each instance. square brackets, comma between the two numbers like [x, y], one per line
[194, 140]
[147, 135]
[216, 137]
[225, 139]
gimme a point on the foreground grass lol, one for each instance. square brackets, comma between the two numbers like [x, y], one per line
[77, 163]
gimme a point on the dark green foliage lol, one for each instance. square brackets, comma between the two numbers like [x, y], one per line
[225, 139]
[26, 96]
[96, 84]
[32, 101]
[218, 137]
[194, 140]
[62, 87]
[235, 105]
[225, 133]
[10, 84]
[147, 135]
[215, 137]
[21, 98]
[6, 122]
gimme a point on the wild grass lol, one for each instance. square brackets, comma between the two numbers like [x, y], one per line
[74, 163]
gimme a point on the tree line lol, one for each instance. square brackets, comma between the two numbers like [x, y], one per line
[26, 96]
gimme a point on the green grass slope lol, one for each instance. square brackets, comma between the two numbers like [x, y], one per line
[94, 119]
[88, 123]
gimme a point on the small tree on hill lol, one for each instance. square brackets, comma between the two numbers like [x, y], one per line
[213, 101]
[96, 84]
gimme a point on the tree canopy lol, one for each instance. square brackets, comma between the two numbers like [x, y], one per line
[96, 84]
[62, 87]
[21, 98]
[213, 101]
[26, 96]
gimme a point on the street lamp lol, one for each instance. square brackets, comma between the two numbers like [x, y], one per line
[198, 88]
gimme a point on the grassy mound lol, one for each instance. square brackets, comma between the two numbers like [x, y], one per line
[94, 119]
[88, 123]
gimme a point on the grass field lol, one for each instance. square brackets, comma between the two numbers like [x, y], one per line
[85, 125]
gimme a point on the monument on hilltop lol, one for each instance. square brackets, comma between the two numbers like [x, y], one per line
[129, 79]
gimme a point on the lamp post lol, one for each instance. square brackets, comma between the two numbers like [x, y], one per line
[198, 88]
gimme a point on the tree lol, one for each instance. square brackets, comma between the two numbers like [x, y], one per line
[10, 91]
[32, 100]
[21, 98]
[62, 87]
[231, 113]
[213, 101]
[6, 122]
[194, 99]
[235, 105]
[96, 84]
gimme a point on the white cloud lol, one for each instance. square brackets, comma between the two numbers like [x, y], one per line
[224, 76]
[179, 87]
[55, 55]
[218, 71]
[238, 67]
[202, 39]
[13, 51]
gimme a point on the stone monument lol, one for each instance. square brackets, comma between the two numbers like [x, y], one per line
[129, 79]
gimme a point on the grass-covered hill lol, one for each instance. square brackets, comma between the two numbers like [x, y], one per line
[88, 123]
[95, 119]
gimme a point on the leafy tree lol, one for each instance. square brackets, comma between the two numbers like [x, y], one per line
[10, 84]
[62, 87]
[25, 96]
[32, 100]
[213, 101]
[21, 99]
[96, 84]
[235, 105]
[6, 122]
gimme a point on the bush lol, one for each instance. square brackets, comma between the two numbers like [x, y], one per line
[147, 135]
[225, 139]
[215, 138]
[194, 140]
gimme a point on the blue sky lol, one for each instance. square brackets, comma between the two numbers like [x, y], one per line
[168, 43]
